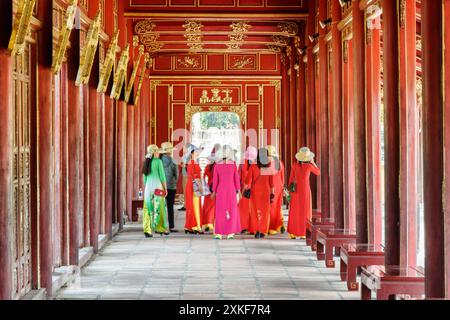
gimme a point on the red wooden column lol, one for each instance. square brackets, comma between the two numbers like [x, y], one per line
[409, 135]
[392, 146]
[121, 123]
[109, 165]
[311, 105]
[74, 147]
[6, 152]
[286, 126]
[433, 144]
[129, 158]
[44, 144]
[360, 120]
[373, 88]
[323, 113]
[447, 144]
[336, 118]
[292, 106]
[301, 93]
[94, 155]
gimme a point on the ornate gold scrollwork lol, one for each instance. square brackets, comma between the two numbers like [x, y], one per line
[141, 78]
[241, 111]
[154, 47]
[277, 84]
[21, 26]
[215, 109]
[189, 111]
[64, 35]
[238, 36]
[280, 40]
[108, 63]
[119, 76]
[289, 28]
[133, 74]
[154, 84]
[144, 26]
[88, 53]
[274, 48]
[193, 34]
[242, 62]
[240, 26]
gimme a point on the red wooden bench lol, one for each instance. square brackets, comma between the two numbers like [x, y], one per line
[329, 239]
[312, 225]
[388, 281]
[135, 205]
[354, 256]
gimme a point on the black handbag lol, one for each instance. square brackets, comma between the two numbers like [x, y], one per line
[247, 194]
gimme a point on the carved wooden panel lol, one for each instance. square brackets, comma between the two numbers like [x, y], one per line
[22, 215]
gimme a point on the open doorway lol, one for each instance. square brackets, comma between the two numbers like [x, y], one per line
[210, 128]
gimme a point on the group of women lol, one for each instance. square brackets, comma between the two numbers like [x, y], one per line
[236, 199]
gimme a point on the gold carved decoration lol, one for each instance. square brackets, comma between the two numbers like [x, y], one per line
[135, 41]
[190, 111]
[21, 26]
[289, 28]
[239, 37]
[289, 52]
[133, 74]
[234, 46]
[241, 111]
[89, 50]
[148, 38]
[280, 40]
[274, 48]
[119, 76]
[189, 62]
[215, 83]
[154, 47]
[240, 26]
[193, 34]
[144, 26]
[154, 84]
[215, 109]
[64, 35]
[141, 78]
[216, 98]
[345, 51]
[277, 84]
[242, 62]
[108, 63]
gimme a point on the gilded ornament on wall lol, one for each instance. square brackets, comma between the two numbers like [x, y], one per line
[216, 98]
[283, 40]
[137, 63]
[241, 111]
[289, 28]
[189, 62]
[144, 26]
[274, 48]
[240, 26]
[190, 111]
[108, 63]
[243, 62]
[120, 74]
[21, 26]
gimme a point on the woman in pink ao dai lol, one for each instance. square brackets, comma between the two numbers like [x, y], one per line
[226, 186]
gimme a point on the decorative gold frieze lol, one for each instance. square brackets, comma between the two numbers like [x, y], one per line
[289, 28]
[141, 78]
[189, 62]
[238, 37]
[144, 26]
[154, 84]
[195, 46]
[89, 50]
[192, 26]
[242, 62]
[234, 46]
[133, 74]
[241, 111]
[108, 63]
[190, 110]
[215, 109]
[280, 40]
[64, 35]
[148, 38]
[277, 84]
[120, 74]
[215, 83]
[240, 26]
[274, 48]
[154, 47]
[21, 26]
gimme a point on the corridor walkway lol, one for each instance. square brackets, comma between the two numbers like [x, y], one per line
[198, 267]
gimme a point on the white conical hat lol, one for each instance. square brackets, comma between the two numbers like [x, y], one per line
[304, 155]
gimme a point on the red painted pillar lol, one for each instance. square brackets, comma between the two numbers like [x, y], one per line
[286, 103]
[44, 145]
[447, 144]
[336, 118]
[301, 94]
[360, 120]
[6, 152]
[409, 136]
[129, 158]
[94, 147]
[121, 123]
[392, 146]
[109, 165]
[323, 113]
[373, 77]
[433, 144]
[292, 105]
[74, 147]
[312, 141]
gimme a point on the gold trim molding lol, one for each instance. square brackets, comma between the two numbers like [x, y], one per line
[21, 26]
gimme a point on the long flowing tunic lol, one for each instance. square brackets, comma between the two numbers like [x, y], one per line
[209, 204]
[244, 203]
[192, 202]
[276, 213]
[261, 186]
[155, 213]
[226, 185]
[301, 204]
